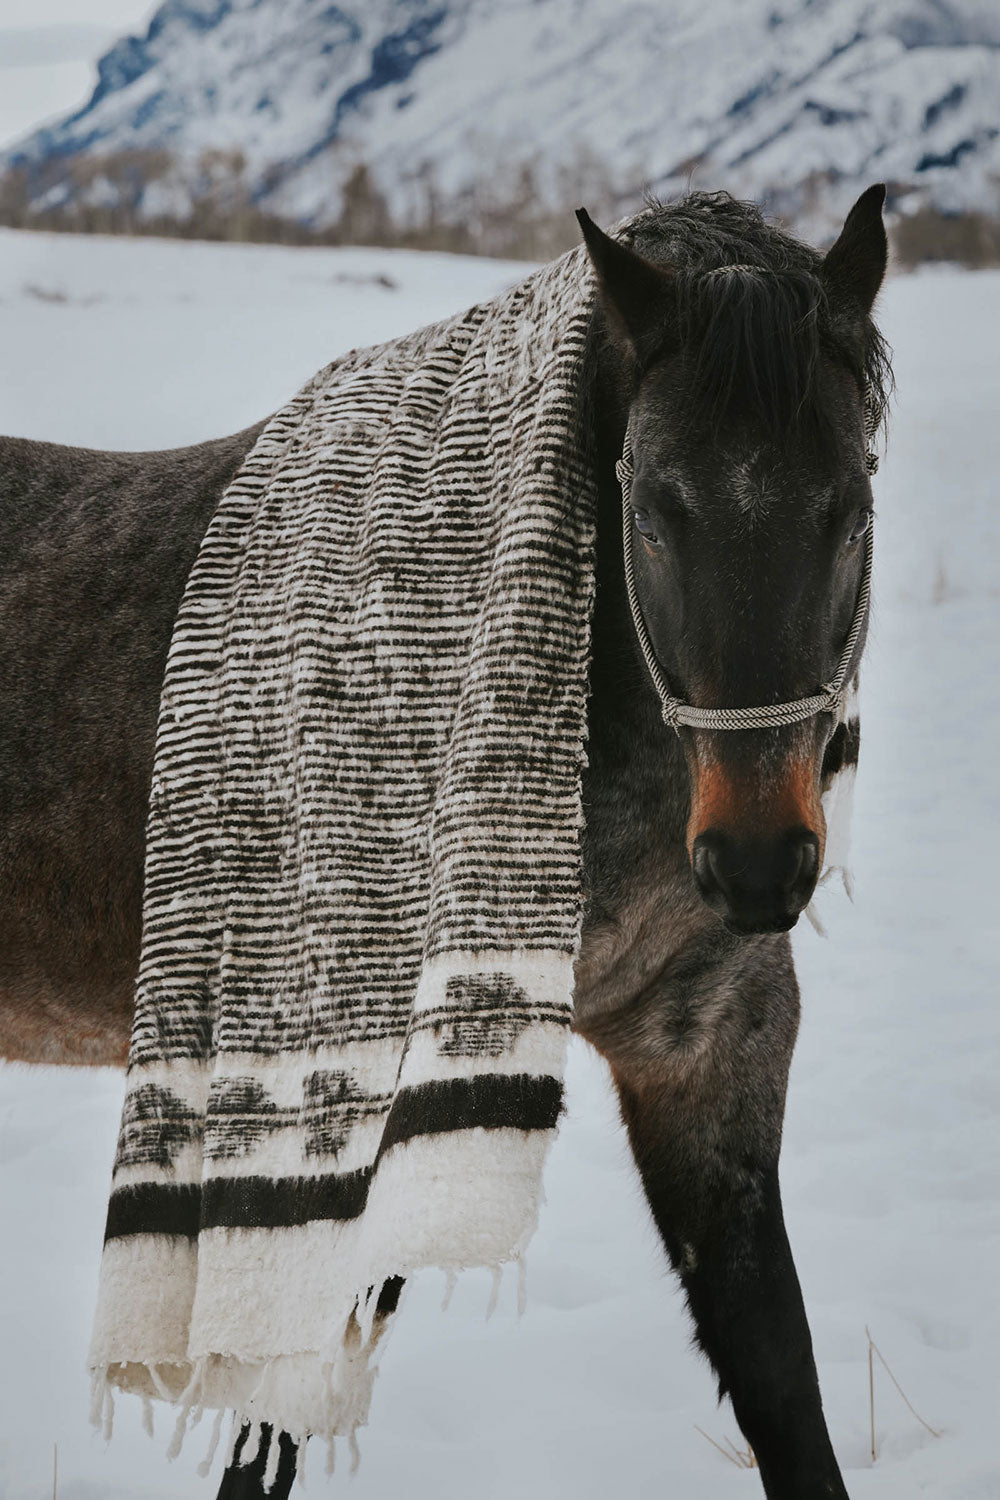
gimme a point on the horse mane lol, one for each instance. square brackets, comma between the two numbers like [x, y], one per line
[754, 317]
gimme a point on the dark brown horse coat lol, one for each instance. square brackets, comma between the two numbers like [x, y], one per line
[94, 552]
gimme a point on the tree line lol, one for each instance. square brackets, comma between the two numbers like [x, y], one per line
[516, 214]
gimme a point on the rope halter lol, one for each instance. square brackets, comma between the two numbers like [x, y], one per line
[829, 699]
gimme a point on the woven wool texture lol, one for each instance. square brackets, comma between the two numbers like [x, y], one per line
[363, 890]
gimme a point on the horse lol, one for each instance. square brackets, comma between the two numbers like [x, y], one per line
[731, 364]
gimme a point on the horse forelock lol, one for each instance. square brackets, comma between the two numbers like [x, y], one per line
[754, 319]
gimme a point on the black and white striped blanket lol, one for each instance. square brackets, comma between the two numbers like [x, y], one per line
[362, 891]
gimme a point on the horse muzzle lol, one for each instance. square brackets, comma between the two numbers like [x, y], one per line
[756, 884]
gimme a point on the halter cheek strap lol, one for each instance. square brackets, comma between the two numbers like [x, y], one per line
[829, 699]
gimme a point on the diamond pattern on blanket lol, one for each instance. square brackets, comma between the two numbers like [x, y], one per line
[487, 1013]
[333, 1104]
[156, 1124]
[240, 1114]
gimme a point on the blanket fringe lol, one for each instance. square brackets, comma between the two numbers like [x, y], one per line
[522, 1283]
[180, 1431]
[353, 1358]
[204, 1468]
[234, 1432]
[366, 1314]
[271, 1467]
[102, 1404]
[161, 1388]
[491, 1306]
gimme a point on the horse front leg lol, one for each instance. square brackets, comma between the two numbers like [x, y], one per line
[246, 1482]
[702, 1088]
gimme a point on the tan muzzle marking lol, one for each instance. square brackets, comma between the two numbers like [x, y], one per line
[744, 803]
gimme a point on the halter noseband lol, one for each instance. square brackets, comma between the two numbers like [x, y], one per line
[830, 698]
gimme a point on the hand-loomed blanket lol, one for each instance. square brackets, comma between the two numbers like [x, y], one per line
[363, 895]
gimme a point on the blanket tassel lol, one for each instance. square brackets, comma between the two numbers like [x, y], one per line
[271, 1467]
[235, 1427]
[522, 1284]
[491, 1306]
[109, 1414]
[251, 1447]
[102, 1404]
[177, 1441]
[205, 1466]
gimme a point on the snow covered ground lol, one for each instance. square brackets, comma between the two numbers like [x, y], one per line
[891, 1164]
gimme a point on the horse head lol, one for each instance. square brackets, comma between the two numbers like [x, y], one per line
[745, 360]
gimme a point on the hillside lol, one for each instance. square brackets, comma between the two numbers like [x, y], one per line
[399, 114]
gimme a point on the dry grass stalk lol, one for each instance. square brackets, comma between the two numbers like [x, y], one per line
[873, 1350]
[743, 1458]
[871, 1392]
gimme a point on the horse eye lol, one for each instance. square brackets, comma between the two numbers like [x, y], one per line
[644, 527]
[861, 524]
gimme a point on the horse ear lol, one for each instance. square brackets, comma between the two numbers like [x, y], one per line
[636, 294]
[855, 265]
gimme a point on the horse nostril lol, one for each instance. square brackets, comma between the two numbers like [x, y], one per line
[757, 884]
[809, 862]
[801, 857]
[715, 863]
[701, 863]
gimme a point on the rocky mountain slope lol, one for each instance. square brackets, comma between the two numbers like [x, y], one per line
[459, 108]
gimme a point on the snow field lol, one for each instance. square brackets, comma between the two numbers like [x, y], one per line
[891, 1166]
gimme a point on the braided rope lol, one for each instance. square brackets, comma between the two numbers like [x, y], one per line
[674, 710]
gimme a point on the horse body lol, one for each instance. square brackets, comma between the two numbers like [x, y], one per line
[95, 551]
[696, 1016]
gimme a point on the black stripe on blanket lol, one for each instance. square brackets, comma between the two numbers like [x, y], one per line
[154, 1208]
[516, 1101]
[490, 1101]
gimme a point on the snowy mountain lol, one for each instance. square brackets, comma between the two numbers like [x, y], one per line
[457, 108]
